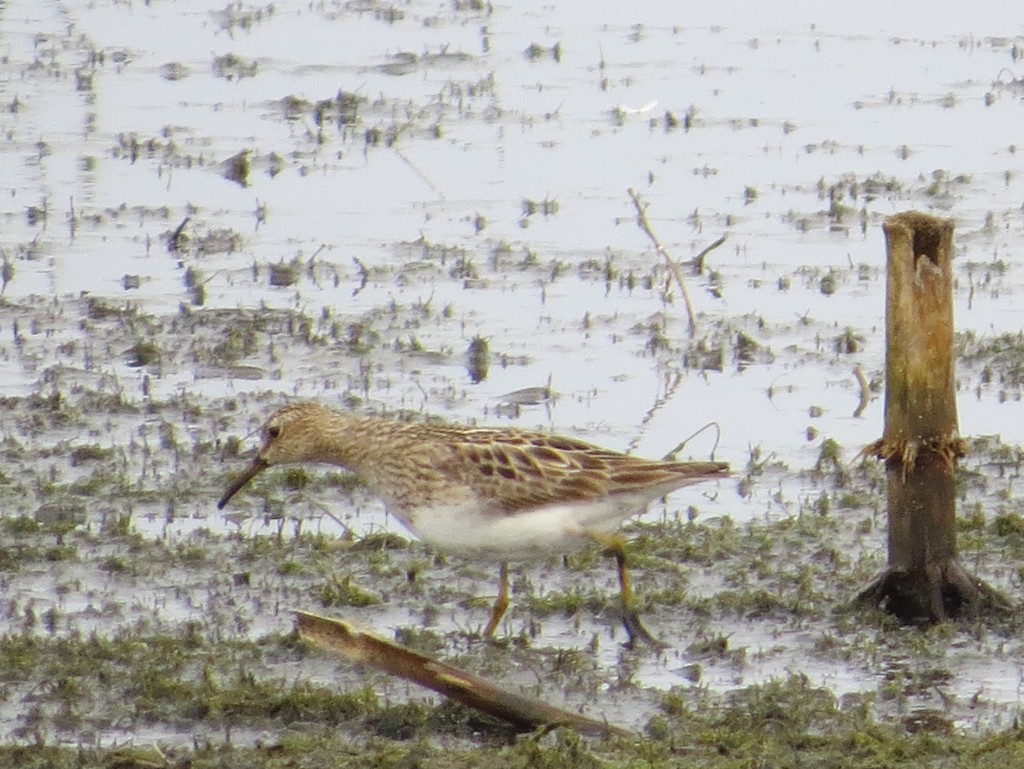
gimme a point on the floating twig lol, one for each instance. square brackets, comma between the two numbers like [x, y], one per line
[174, 242]
[865, 392]
[698, 260]
[671, 456]
[645, 225]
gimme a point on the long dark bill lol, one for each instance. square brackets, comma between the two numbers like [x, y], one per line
[257, 467]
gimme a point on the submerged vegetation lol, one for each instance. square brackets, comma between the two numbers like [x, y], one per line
[740, 600]
[364, 233]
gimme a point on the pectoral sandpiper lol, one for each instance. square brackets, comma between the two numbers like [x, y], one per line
[483, 492]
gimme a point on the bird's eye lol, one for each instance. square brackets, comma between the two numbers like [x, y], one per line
[274, 430]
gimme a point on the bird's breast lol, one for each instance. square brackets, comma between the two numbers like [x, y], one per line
[471, 532]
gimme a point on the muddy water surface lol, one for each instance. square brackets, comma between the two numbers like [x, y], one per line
[209, 211]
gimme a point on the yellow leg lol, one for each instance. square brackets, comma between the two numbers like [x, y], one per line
[635, 629]
[500, 603]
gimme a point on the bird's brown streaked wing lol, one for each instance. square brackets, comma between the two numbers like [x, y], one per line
[521, 471]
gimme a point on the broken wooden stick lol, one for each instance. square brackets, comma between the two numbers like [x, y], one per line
[365, 648]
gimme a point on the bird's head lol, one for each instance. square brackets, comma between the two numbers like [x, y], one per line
[288, 437]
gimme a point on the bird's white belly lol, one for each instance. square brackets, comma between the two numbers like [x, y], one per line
[532, 533]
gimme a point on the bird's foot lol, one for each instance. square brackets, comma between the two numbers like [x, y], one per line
[636, 631]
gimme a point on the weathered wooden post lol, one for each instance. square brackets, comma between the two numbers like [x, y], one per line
[921, 443]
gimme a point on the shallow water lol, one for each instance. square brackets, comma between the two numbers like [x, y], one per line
[807, 126]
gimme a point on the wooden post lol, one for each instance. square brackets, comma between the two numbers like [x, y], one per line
[921, 443]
